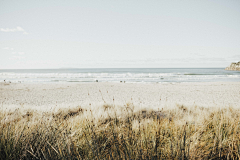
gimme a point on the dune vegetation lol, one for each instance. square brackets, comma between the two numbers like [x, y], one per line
[120, 132]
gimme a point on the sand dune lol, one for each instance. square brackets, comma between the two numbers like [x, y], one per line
[70, 120]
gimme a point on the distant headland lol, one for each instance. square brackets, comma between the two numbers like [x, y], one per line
[234, 66]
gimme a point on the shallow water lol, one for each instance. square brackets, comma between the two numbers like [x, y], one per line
[132, 75]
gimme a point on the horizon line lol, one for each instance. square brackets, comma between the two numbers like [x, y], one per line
[116, 68]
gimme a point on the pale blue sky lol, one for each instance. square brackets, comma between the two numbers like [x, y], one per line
[124, 33]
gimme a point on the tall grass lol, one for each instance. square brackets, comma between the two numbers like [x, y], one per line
[121, 132]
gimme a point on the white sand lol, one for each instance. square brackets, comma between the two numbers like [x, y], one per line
[155, 95]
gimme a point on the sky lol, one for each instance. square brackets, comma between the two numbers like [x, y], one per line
[119, 33]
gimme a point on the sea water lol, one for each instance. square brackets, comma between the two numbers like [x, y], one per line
[127, 75]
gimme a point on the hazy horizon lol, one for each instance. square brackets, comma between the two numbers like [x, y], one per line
[119, 34]
[112, 68]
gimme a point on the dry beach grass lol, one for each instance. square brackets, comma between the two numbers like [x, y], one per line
[109, 130]
[121, 132]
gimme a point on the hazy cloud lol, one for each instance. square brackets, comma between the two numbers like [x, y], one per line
[8, 48]
[17, 29]
[17, 57]
[19, 53]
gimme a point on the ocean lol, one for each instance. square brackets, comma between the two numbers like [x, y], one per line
[127, 75]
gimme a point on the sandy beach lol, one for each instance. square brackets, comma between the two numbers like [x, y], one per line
[154, 95]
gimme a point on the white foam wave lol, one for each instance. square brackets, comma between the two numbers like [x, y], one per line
[112, 77]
